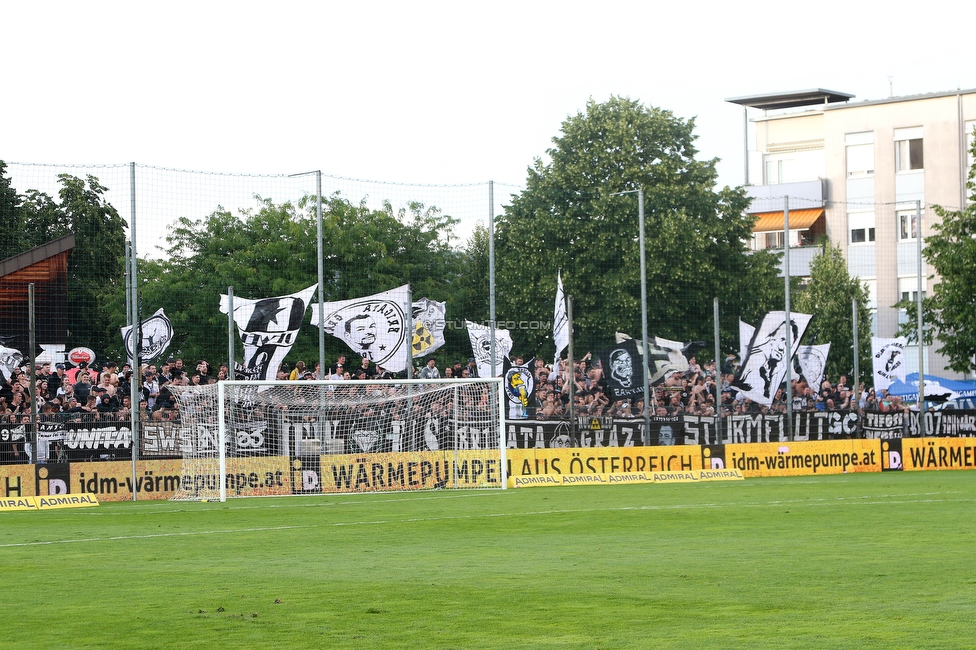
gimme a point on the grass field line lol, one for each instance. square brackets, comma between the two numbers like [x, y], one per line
[884, 499]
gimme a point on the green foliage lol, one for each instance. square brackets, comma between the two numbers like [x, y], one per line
[95, 266]
[571, 217]
[271, 251]
[950, 313]
[830, 295]
[11, 217]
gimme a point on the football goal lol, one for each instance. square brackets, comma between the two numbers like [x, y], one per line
[254, 438]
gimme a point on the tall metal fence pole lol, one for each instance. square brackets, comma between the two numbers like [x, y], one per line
[571, 366]
[789, 328]
[230, 333]
[718, 376]
[135, 335]
[321, 269]
[918, 332]
[491, 275]
[857, 345]
[644, 341]
[32, 391]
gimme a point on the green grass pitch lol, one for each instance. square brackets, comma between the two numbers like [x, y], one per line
[845, 561]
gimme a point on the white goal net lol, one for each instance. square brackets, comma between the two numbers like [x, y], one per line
[309, 437]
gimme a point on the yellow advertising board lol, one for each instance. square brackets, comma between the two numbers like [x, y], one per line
[9, 504]
[582, 465]
[418, 470]
[17, 481]
[679, 476]
[66, 501]
[804, 458]
[112, 480]
[938, 453]
[48, 502]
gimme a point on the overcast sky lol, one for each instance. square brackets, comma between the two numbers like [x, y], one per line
[436, 93]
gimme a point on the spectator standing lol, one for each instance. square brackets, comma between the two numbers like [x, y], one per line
[150, 389]
[430, 370]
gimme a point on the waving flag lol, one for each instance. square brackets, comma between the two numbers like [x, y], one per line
[768, 360]
[374, 326]
[156, 332]
[268, 328]
[480, 336]
[428, 326]
[813, 361]
[560, 320]
[888, 359]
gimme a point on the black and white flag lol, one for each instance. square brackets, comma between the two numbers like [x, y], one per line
[888, 359]
[9, 359]
[156, 332]
[768, 360]
[374, 326]
[480, 336]
[560, 319]
[268, 328]
[623, 371]
[813, 362]
[746, 332]
[428, 326]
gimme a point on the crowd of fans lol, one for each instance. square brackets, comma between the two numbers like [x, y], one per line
[103, 393]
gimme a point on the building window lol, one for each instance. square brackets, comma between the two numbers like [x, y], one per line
[908, 155]
[774, 239]
[860, 153]
[861, 225]
[908, 149]
[907, 225]
[860, 160]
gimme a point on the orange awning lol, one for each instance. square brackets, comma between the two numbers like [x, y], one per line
[799, 220]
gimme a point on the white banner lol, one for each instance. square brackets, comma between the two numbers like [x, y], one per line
[768, 360]
[268, 327]
[9, 359]
[560, 319]
[428, 326]
[888, 359]
[746, 332]
[480, 336]
[156, 332]
[813, 361]
[374, 326]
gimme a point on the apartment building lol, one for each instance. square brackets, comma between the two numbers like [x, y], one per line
[856, 172]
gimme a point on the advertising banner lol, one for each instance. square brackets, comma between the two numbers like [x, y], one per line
[593, 462]
[422, 470]
[938, 453]
[802, 458]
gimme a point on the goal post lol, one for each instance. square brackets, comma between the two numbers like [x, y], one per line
[266, 438]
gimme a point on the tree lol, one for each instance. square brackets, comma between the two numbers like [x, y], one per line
[271, 251]
[96, 270]
[572, 217]
[95, 265]
[829, 296]
[11, 217]
[950, 313]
